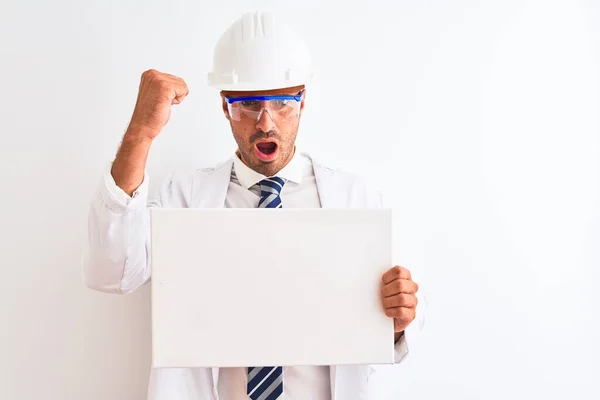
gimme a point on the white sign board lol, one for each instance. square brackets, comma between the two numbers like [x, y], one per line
[240, 287]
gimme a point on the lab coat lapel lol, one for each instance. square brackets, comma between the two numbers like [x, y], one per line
[326, 186]
[210, 186]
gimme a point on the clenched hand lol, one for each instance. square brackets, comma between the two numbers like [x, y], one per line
[399, 294]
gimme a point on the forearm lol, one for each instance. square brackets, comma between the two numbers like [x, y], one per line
[130, 162]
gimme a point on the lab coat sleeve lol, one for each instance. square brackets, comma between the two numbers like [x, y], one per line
[409, 342]
[116, 255]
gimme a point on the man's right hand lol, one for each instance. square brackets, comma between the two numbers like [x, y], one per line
[157, 93]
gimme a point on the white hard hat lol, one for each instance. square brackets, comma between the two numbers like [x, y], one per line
[259, 52]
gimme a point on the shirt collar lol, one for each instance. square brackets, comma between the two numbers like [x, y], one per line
[248, 177]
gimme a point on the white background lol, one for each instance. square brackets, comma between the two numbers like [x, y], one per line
[479, 120]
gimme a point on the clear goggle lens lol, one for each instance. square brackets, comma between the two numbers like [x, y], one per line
[251, 108]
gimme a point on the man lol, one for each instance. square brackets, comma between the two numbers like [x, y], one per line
[261, 68]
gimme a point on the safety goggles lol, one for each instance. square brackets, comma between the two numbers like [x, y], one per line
[251, 108]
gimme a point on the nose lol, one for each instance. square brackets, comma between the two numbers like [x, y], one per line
[265, 121]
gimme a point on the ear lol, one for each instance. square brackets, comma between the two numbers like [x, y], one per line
[302, 102]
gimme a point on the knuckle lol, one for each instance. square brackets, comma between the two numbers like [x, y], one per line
[162, 83]
[398, 299]
[411, 315]
[404, 314]
[403, 286]
[405, 300]
[402, 299]
[411, 301]
[150, 73]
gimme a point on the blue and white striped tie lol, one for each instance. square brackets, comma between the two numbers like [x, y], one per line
[270, 189]
[266, 383]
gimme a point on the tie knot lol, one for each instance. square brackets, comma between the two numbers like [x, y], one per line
[272, 185]
[270, 189]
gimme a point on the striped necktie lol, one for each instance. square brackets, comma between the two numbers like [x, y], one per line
[270, 189]
[266, 383]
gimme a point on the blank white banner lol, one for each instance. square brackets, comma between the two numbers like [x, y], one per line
[270, 287]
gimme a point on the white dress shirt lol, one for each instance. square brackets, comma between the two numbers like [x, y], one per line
[299, 191]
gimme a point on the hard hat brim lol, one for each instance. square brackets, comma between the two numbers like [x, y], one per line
[258, 86]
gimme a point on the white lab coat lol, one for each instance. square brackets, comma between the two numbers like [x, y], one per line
[117, 261]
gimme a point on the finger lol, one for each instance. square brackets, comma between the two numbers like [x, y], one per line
[176, 82]
[400, 325]
[394, 273]
[401, 300]
[399, 286]
[181, 92]
[404, 314]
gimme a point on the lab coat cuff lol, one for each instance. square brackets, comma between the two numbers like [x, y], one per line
[117, 200]
[400, 349]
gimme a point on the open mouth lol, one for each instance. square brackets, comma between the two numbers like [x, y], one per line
[266, 149]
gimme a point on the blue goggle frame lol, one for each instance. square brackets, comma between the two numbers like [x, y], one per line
[298, 97]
